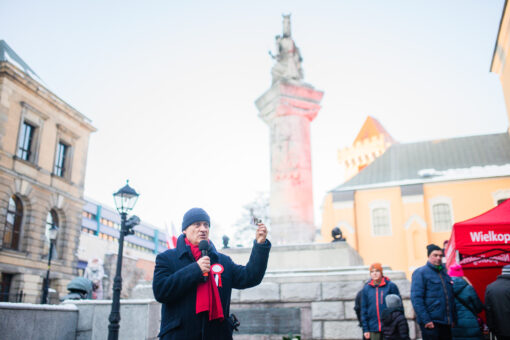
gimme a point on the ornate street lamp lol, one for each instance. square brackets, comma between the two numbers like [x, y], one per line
[52, 235]
[125, 200]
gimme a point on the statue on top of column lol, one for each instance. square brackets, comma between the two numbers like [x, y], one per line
[288, 58]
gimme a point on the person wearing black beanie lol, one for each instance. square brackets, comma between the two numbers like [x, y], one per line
[194, 281]
[432, 297]
[431, 247]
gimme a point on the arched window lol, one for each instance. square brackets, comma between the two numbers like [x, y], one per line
[12, 230]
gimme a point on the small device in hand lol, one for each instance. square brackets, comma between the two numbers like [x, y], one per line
[255, 221]
[235, 322]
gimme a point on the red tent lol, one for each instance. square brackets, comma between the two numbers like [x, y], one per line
[481, 245]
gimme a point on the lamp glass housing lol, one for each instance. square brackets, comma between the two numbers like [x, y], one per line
[52, 233]
[125, 199]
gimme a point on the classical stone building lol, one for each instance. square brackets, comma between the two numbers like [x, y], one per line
[43, 153]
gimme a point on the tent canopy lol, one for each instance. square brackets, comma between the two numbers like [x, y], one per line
[481, 245]
[482, 241]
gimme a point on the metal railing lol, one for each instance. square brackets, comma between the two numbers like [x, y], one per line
[12, 297]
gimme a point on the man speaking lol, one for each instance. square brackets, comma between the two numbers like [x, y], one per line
[194, 282]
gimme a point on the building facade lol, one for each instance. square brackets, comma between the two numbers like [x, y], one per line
[43, 154]
[100, 230]
[501, 55]
[412, 194]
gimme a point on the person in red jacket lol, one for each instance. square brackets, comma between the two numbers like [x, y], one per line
[373, 302]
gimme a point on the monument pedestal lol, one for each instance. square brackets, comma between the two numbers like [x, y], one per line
[313, 256]
[312, 303]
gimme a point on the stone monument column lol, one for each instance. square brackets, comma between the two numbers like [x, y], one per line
[288, 108]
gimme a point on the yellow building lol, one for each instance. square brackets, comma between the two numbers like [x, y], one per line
[500, 55]
[412, 194]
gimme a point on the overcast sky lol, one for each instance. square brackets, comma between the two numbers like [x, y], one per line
[171, 86]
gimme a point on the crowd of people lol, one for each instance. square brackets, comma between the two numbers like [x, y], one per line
[194, 283]
[446, 304]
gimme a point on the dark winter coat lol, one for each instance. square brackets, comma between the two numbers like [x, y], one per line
[176, 277]
[357, 306]
[468, 305]
[373, 303]
[432, 295]
[394, 324]
[497, 303]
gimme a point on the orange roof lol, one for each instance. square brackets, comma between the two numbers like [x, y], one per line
[372, 128]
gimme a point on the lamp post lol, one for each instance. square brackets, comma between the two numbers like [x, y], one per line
[52, 235]
[125, 200]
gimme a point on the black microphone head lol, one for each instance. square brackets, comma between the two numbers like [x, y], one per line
[203, 245]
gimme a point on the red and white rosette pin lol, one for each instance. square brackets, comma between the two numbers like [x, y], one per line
[217, 269]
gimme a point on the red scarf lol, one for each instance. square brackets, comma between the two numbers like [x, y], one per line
[208, 297]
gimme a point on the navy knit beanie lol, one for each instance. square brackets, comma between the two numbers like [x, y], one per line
[194, 215]
[431, 247]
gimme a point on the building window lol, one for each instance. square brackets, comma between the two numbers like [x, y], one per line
[442, 216]
[88, 215]
[12, 229]
[26, 142]
[381, 221]
[501, 200]
[61, 160]
[5, 286]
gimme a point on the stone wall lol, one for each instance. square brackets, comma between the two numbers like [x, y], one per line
[317, 304]
[139, 319]
[28, 321]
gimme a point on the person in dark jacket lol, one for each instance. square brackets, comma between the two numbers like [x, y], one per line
[357, 308]
[394, 323]
[497, 304]
[432, 297]
[468, 306]
[373, 303]
[195, 290]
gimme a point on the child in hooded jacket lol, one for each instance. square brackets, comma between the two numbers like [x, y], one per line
[394, 323]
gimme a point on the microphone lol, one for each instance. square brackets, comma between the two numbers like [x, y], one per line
[203, 246]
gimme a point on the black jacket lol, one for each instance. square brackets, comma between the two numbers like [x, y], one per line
[357, 306]
[497, 304]
[176, 277]
[394, 324]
